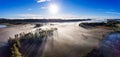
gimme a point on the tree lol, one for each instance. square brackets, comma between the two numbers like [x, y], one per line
[17, 42]
[15, 51]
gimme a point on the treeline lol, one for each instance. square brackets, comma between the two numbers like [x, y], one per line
[19, 21]
[88, 25]
[109, 23]
[28, 44]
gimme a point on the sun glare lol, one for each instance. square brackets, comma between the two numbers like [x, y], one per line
[53, 9]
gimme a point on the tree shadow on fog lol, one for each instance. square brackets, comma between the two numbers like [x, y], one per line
[29, 45]
[5, 51]
[28, 49]
[94, 53]
[33, 49]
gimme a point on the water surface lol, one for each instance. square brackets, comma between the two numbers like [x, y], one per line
[2, 26]
[110, 46]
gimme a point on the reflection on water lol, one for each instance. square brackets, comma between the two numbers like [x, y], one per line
[110, 47]
[3, 26]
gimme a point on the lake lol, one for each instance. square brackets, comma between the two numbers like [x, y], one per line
[110, 46]
[2, 26]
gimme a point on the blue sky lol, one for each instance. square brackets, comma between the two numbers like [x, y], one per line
[67, 8]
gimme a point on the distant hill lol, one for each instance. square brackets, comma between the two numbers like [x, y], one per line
[3, 20]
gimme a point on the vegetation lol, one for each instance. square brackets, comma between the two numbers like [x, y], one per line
[111, 25]
[15, 51]
[28, 44]
[25, 21]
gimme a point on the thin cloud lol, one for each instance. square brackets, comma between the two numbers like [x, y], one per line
[29, 9]
[40, 1]
[43, 7]
[30, 16]
[63, 16]
[113, 13]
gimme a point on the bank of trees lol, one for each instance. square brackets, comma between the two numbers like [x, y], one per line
[15, 47]
[23, 43]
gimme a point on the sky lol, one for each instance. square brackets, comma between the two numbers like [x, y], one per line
[60, 9]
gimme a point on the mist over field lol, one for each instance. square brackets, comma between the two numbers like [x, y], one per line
[59, 28]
